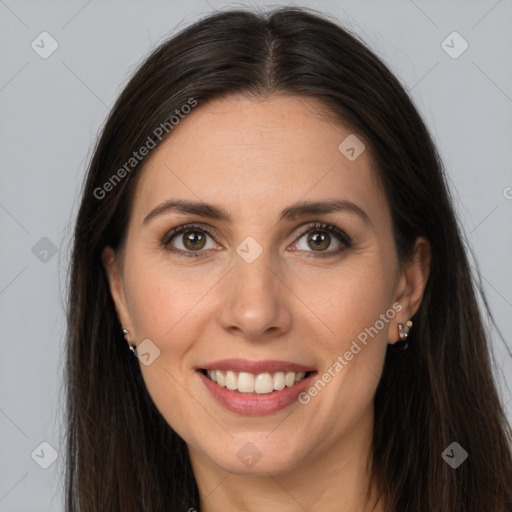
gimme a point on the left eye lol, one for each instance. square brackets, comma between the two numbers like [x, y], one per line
[319, 237]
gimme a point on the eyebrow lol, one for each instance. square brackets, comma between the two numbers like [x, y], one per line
[292, 212]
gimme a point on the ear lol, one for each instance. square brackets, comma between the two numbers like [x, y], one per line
[411, 285]
[112, 266]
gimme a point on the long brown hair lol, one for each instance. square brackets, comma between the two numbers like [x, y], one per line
[121, 453]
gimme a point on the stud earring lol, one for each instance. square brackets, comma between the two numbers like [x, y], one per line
[403, 332]
[126, 335]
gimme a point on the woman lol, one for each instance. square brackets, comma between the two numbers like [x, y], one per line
[271, 306]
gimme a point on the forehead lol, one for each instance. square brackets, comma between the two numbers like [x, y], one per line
[256, 156]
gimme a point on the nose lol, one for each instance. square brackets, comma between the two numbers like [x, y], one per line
[256, 302]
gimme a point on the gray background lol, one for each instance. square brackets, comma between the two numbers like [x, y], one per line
[51, 111]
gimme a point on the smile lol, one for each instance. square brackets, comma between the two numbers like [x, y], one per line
[260, 384]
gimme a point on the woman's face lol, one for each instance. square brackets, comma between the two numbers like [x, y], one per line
[262, 294]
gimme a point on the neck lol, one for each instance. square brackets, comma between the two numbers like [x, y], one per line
[334, 479]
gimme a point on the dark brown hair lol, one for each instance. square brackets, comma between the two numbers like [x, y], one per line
[122, 455]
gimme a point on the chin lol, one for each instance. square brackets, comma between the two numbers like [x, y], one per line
[258, 458]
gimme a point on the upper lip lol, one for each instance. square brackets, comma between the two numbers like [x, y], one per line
[256, 367]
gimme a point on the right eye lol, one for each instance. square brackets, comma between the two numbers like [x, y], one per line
[193, 239]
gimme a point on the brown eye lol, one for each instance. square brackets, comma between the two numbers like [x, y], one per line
[188, 240]
[319, 240]
[193, 240]
[320, 237]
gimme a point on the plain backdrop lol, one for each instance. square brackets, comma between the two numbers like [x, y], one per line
[52, 109]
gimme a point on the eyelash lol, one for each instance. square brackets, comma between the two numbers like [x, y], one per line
[317, 226]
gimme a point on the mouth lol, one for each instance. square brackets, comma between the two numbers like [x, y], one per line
[255, 388]
[255, 383]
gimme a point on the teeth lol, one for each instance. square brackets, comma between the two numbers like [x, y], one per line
[221, 380]
[262, 383]
[299, 376]
[279, 381]
[245, 382]
[231, 380]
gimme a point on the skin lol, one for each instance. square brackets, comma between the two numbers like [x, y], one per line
[255, 158]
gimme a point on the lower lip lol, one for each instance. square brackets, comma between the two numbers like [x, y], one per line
[256, 405]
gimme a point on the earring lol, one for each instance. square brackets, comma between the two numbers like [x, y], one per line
[403, 332]
[132, 347]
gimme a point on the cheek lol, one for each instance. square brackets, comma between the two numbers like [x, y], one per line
[357, 312]
[163, 300]
[353, 303]
[167, 309]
